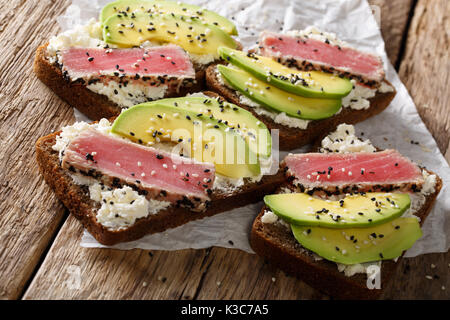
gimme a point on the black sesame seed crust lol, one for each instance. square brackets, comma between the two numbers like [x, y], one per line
[307, 66]
[153, 193]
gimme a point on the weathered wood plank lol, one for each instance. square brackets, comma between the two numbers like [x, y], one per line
[393, 16]
[234, 274]
[411, 278]
[115, 274]
[425, 67]
[30, 213]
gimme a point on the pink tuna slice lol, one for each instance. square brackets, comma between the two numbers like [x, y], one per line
[145, 167]
[362, 169]
[170, 60]
[320, 54]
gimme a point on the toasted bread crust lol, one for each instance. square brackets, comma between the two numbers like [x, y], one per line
[292, 138]
[95, 106]
[76, 199]
[275, 244]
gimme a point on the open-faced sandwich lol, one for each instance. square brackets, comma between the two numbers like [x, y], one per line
[138, 51]
[345, 212]
[159, 165]
[303, 83]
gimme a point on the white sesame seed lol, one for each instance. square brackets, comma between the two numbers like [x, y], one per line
[139, 164]
[144, 284]
[174, 167]
[164, 166]
[429, 277]
[273, 279]
[349, 173]
[117, 164]
[153, 172]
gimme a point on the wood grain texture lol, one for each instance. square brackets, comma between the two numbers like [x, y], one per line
[393, 17]
[115, 274]
[31, 214]
[426, 64]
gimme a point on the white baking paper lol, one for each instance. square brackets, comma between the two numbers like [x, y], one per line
[352, 21]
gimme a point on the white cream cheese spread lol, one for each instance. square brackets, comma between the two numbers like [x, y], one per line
[130, 95]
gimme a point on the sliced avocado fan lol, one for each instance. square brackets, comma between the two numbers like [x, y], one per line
[205, 139]
[253, 130]
[276, 99]
[190, 33]
[130, 7]
[312, 84]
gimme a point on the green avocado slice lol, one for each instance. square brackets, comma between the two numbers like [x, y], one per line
[254, 131]
[312, 84]
[353, 211]
[151, 6]
[200, 135]
[278, 100]
[358, 245]
[190, 33]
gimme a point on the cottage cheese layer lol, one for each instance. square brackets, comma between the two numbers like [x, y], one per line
[83, 36]
[129, 95]
[312, 32]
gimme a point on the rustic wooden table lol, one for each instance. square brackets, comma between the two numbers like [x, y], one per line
[39, 242]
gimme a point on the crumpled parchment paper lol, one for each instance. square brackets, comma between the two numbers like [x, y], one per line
[352, 21]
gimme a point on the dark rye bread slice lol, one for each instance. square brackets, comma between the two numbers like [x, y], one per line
[95, 106]
[76, 198]
[276, 244]
[292, 138]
